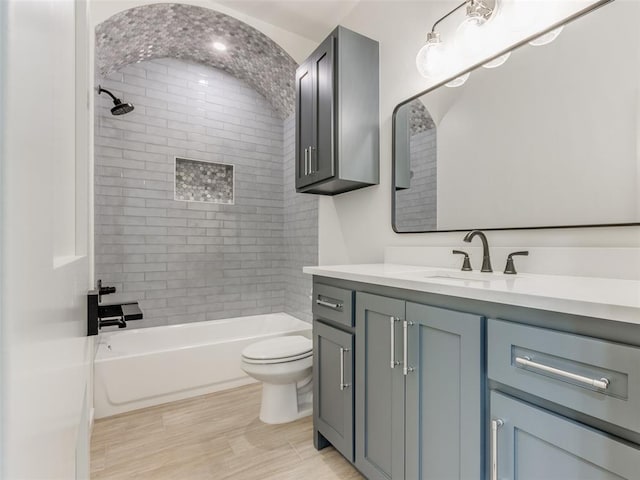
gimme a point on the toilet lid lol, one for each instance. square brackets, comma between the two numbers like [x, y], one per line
[279, 348]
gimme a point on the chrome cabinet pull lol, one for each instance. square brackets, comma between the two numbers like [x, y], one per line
[306, 161]
[405, 351]
[392, 323]
[495, 424]
[342, 384]
[602, 383]
[335, 306]
[311, 170]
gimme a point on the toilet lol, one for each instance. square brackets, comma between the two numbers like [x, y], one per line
[283, 365]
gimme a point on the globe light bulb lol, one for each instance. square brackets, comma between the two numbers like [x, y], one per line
[458, 81]
[547, 37]
[430, 60]
[470, 40]
[496, 62]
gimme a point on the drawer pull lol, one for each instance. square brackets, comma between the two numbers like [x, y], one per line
[335, 306]
[392, 335]
[495, 425]
[342, 384]
[602, 383]
[405, 353]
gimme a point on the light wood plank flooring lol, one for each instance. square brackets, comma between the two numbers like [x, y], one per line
[217, 436]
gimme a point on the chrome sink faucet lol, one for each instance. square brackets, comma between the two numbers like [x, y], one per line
[486, 259]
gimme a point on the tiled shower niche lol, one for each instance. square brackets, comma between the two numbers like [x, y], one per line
[197, 181]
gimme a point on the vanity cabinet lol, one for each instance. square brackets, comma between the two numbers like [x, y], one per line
[419, 391]
[586, 379]
[451, 388]
[380, 422]
[333, 369]
[337, 115]
[333, 374]
[533, 444]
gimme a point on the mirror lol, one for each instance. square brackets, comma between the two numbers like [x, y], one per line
[548, 139]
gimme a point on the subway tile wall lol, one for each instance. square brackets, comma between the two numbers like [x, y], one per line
[300, 232]
[417, 206]
[194, 261]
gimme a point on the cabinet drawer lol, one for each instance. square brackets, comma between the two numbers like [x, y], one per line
[592, 376]
[333, 303]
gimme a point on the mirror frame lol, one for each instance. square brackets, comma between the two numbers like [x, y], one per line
[515, 46]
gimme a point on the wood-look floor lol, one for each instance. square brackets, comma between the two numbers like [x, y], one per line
[217, 436]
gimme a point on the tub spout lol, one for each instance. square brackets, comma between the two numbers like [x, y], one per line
[99, 315]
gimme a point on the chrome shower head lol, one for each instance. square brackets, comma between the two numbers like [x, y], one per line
[119, 107]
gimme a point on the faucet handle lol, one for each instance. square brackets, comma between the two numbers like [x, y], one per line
[510, 268]
[466, 263]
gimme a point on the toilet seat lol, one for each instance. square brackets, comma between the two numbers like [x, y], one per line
[278, 350]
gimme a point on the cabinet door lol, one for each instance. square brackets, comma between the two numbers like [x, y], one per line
[444, 394]
[333, 386]
[379, 387]
[533, 444]
[305, 122]
[323, 151]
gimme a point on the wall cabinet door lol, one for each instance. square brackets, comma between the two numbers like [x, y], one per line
[315, 116]
[444, 394]
[333, 386]
[305, 121]
[379, 387]
[533, 444]
[337, 115]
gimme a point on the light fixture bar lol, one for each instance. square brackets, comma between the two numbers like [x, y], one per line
[475, 8]
[433, 29]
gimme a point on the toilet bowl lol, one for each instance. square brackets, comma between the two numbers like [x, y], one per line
[283, 365]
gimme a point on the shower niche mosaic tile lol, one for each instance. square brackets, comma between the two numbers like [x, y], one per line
[197, 181]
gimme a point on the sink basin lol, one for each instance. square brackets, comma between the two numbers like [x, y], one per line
[463, 276]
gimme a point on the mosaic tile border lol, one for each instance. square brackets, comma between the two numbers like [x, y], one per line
[204, 182]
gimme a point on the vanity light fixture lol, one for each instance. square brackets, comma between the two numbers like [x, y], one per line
[430, 60]
[547, 37]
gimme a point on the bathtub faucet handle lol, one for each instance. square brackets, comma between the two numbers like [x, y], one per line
[105, 290]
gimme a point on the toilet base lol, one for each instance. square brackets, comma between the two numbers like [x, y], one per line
[283, 403]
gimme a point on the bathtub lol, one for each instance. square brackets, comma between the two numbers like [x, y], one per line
[140, 368]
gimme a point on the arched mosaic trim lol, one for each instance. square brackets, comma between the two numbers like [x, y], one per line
[420, 118]
[188, 32]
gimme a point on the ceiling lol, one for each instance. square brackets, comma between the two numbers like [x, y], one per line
[311, 19]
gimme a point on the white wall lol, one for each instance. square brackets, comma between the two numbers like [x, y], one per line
[355, 227]
[546, 148]
[46, 356]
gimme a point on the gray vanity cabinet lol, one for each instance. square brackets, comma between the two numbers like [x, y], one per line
[379, 387]
[333, 376]
[419, 391]
[337, 115]
[444, 393]
[534, 444]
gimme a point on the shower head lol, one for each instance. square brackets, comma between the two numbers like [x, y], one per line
[119, 107]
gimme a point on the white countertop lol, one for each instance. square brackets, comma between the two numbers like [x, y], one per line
[606, 298]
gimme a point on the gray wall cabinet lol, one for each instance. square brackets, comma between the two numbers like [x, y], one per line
[337, 115]
[333, 376]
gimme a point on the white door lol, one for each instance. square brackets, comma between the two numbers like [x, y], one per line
[46, 358]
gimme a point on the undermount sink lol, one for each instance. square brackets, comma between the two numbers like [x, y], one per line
[485, 277]
[463, 278]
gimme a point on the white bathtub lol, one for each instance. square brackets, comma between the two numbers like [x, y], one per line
[140, 368]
